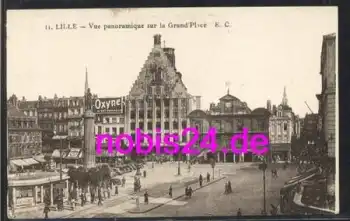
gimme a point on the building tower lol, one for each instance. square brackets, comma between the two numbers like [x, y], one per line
[284, 99]
[89, 130]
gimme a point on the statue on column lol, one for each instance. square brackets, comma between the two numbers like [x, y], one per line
[88, 100]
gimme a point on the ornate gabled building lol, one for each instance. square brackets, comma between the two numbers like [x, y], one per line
[282, 125]
[159, 98]
[229, 117]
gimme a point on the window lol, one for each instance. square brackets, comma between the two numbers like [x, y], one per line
[99, 130]
[121, 130]
[149, 126]
[141, 126]
[132, 115]
[158, 125]
[166, 113]
[149, 114]
[285, 126]
[175, 125]
[159, 114]
[107, 130]
[114, 120]
[166, 102]
[141, 114]
[184, 124]
[121, 120]
[107, 120]
[175, 113]
[158, 103]
[114, 130]
[166, 125]
[132, 126]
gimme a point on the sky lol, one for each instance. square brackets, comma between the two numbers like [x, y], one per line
[262, 51]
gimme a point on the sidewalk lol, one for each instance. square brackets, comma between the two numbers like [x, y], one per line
[177, 193]
[161, 174]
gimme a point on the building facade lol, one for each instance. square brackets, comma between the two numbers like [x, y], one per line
[24, 138]
[159, 97]
[327, 97]
[229, 117]
[282, 128]
[110, 119]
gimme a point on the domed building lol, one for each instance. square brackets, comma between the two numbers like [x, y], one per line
[229, 117]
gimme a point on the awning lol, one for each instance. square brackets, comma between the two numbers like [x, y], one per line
[74, 153]
[30, 161]
[56, 153]
[18, 163]
[40, 158]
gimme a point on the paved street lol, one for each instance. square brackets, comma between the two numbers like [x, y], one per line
[247, 194]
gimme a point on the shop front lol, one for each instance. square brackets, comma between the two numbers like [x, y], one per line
[24, 192]
[281, 152]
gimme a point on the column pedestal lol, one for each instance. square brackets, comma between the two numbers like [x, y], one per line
[224, 157]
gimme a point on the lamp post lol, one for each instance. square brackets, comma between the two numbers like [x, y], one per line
[178, 166]
[60, 189]
[263, 167]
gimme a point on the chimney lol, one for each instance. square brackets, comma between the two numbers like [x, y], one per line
[268, 105]
[170, 55]
[157, 40]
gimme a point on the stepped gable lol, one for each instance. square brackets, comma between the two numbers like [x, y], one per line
[159, 61]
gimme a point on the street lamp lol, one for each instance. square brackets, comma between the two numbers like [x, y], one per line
[60, 189]
[178, 166]
[263, 167]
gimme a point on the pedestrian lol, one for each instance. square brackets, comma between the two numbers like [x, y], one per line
[208, 177]
[186, 191]
[109, 192]
[239, 212]
[123, 181]
[46, 211]
[144, 173]
[226, 187]
[229, 186]
[146, 197]
[116, 190]
[99, 197]
[171, 191]
[190, 191]
[189, 167]
[200, 180]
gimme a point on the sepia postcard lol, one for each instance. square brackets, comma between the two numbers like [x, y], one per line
[172, 112]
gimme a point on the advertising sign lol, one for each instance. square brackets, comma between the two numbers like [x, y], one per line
[107, 105]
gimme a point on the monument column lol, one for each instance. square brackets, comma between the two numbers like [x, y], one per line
[89, 133]
[89, 140]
